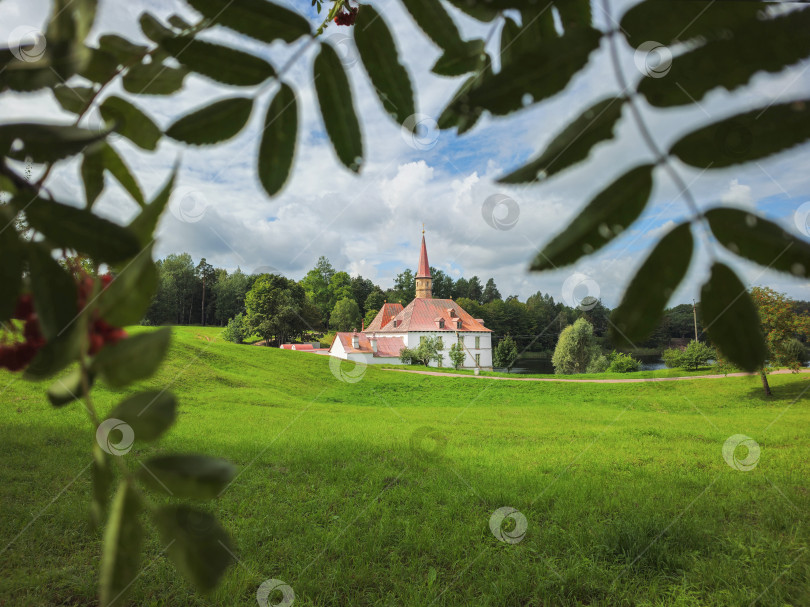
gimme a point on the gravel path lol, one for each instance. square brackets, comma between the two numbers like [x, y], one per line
[592, 381]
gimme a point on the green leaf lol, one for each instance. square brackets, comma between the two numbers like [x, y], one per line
[187, 476]
[337, 109]
[121, 547]
[73, 98]
[666, 22]
[379, 55]
[732, 60]
[647, 295]
[213, 123]
[124, 51]
[144, 224]
[92, 171]
[220, 63]
[731, 319]
[68, 388]
[149, 413]
[470, 58]
[102, 482]
[258, 19]
[574, 14]
[11, 265]
[128, 297]
[118, 169]
[79, 229]
[554, 62]
[573, 144]
[605, 217]
[57, 353]
[277, 148]
[100, 67]
[197, 544]
[54, 292]
[462, 117]
[131, 122]
[746, 137]
[477, 10]
[760, 240]
[436, 23]
[153, 29]
[178, 22]
[154, 79]
[46, 142]
[136, 357]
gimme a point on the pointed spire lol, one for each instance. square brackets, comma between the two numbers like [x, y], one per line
[424, 266]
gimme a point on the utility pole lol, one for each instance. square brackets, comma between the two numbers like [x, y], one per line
[694, 314]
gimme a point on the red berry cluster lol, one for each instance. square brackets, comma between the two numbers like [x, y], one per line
[17, 355]
[101, 332]
[346, 17]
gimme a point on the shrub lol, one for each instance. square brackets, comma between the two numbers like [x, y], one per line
[236, 330]
[793, 353]
[696, 355]
[327, 339]
[623, 363]
[575, 348]
[598, 364]
[426, 352]
[672, 357]
[457, 355]
[506, 353]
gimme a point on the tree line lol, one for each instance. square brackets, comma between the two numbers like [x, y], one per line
[278, 308]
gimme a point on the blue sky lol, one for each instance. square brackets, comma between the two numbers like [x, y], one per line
[371, 224]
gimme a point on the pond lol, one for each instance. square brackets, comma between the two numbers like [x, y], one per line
[538, 365]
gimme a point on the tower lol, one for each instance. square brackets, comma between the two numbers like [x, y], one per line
[424, 283]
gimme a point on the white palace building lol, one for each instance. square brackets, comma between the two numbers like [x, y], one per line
[395, 328]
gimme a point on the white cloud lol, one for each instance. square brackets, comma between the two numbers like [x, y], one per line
[738, 194]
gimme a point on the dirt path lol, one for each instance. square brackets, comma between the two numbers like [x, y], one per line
[592, 381]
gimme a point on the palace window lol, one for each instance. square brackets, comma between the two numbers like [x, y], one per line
[422, 339]
[477, 342]
[440, 344]
[461, 340]
[477, 360]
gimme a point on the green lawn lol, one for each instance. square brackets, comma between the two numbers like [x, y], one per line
[624, 487]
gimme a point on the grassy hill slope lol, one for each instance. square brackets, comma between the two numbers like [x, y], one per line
[624, 487]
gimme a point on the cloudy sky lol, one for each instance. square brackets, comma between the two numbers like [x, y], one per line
[370, 224]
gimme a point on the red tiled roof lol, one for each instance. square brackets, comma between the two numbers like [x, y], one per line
[421, 315]
[387, 347]
[424, 266]
[384, 316]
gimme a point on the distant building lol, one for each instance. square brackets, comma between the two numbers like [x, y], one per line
[395, 328]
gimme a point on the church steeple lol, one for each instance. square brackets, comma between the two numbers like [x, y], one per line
[424, 283]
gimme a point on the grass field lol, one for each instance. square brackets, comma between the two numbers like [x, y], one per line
[627, 497]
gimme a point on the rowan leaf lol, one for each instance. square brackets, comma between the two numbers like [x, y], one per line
[277, 148]
[731, 320]
[258, 19]
[46, 142]
[745, 137]
[650, 289]
[149, 413]
[187, 476]
[337, 108]
[121, 547]
[605, 217]
[378, 52]
[760, 240]
[573, 144]
[130, 122]
[213, 123]
[134, 358]
[54, 291]
[220, 63]
[154, 78]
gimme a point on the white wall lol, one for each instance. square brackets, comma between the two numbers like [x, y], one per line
[449, 338]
